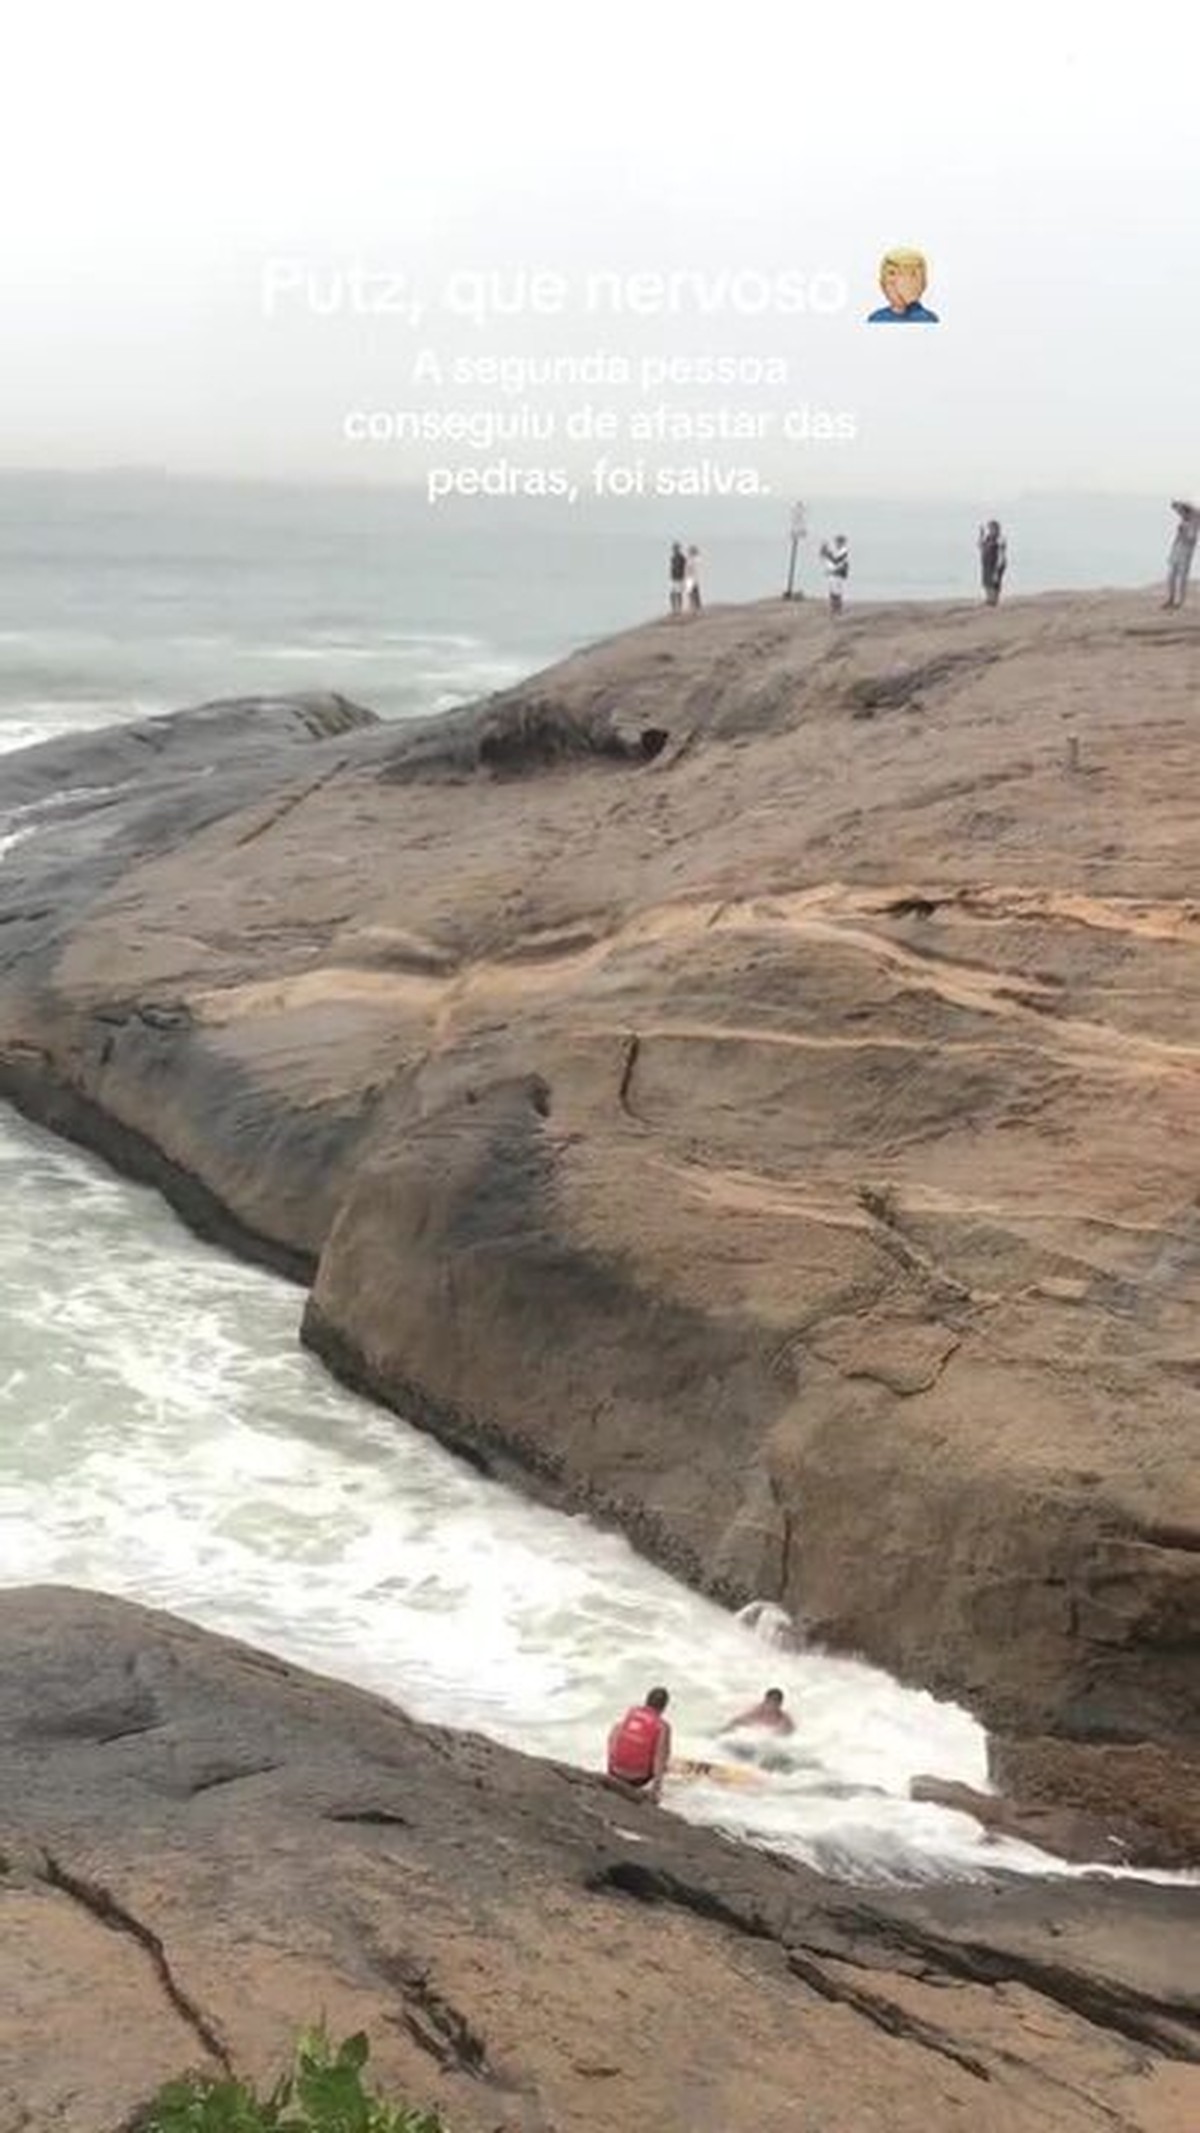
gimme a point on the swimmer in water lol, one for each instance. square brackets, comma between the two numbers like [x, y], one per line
[769, 1714]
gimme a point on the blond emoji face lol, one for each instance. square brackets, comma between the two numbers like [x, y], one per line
[902, 282]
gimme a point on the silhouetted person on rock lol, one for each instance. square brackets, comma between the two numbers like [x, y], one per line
[677, 573]
[1183, 548]
[993, 560]
[835, 555]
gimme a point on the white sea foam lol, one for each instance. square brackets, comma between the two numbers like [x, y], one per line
[24, 733]
[47, 719]
[163, 1436]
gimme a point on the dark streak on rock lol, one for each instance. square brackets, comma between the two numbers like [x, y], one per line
[129, 1732]
[649, 1884]
[1173, 2031]
[633, 1046]
[438, 2027]
[884, 2014]
[290, 802]
[103, 1905]
[230, 1777]
[368, 1817]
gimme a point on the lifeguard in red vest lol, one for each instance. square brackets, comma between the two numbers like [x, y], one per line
[639, 1745]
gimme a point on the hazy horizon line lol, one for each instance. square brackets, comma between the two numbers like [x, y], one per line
[415, 490]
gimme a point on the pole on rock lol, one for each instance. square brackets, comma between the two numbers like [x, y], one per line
[799, 528]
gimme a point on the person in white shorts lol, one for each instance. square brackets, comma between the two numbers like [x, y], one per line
[835, 555]
[1183, 548]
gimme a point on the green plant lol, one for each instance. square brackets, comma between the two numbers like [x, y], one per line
[324, 2093]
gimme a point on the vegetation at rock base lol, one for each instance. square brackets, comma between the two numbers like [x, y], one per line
[324, 2092]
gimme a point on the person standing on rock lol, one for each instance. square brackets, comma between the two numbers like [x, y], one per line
[1183, 548]
[639, 1746]
[993, 560]
[835, 555]
[691, 582]
[677, 572]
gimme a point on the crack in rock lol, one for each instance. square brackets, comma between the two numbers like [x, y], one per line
[651, 1884]
[290, 802]
[1120, 2010]
[367, 1817]
[629, 1877]
[439, 2027]
[880, 1204]
[1137, 2017]
[132, 1731]
[104, 1906]
[234, 1776]
[633, 1048]
[883, 2013]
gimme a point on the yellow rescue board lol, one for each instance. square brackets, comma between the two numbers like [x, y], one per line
[716, 1773]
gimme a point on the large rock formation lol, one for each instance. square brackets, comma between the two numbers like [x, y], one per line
[744, 1082]
[203, 1848]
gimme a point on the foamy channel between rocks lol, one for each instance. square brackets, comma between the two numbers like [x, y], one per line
[164, 1437]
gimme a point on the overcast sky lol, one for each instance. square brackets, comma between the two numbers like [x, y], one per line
[166, 169]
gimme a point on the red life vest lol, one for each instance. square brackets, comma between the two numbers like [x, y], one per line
[632, 1753]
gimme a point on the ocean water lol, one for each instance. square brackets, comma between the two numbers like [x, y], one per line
[124, 598]
[125, 595]
[162, 1435]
